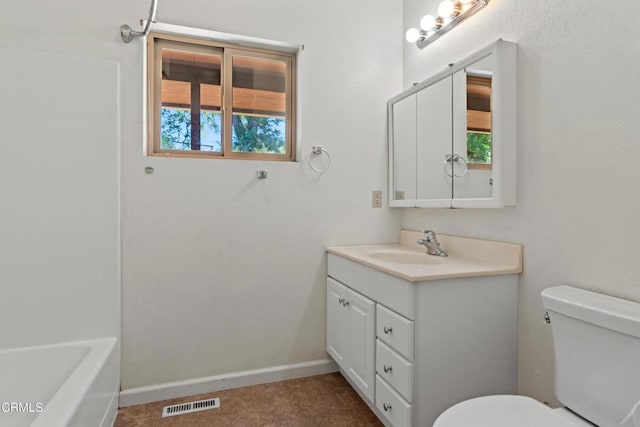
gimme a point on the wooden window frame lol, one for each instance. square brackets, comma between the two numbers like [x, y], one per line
[155, 43]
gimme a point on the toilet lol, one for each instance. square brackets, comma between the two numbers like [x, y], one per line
[597, 369]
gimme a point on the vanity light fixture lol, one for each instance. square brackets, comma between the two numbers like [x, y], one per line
[450, 14]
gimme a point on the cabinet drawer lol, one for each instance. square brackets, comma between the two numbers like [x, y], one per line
[392, 405]
[395, 330]
[395, 369]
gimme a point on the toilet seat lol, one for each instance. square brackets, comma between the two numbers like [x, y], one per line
[505, 411]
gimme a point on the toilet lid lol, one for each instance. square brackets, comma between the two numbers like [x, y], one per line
[501, 411]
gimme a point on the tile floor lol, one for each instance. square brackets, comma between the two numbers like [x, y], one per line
[323, 400]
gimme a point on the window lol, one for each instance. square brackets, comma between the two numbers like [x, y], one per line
[216, 100]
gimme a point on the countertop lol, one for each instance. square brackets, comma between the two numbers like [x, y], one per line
[409, 261]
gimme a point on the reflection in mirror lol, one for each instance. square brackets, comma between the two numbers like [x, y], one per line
[404, 148]
[478, 121]
[434, 142]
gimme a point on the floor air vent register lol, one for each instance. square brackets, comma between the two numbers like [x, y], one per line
[189, 407]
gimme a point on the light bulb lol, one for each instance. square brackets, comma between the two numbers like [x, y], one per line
[412, 35]
[466, 5]
[427, 22]
[446, 8]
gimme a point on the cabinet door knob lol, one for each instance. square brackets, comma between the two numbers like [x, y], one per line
[346, 303]
[386, 407]
[387, 368]
[341, 301]
[388, 329]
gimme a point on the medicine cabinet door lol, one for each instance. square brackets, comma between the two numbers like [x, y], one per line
[471, 164]
[434, 143]
[403, 132]
[484, 128]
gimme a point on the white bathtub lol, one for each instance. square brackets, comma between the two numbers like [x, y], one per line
[69, 384]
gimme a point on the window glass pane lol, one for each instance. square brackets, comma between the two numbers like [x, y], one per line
[259, 123]
[191, 100]
[210, 117]
[175, 128]
[479, 147]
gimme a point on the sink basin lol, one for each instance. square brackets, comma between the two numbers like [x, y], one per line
[405, 257]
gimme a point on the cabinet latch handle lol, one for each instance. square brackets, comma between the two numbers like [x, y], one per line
[388, 329]
[387, 368]
[386, 407]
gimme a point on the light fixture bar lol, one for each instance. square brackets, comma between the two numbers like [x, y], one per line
[428, 37]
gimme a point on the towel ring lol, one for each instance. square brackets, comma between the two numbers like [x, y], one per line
[318, 150]
[448, 158]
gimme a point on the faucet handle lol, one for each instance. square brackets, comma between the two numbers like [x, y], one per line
[429, 235]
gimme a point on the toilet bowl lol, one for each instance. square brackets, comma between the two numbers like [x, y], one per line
[507, 411]
[596, 341]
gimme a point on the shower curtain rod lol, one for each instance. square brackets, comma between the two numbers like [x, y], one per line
[128, 34]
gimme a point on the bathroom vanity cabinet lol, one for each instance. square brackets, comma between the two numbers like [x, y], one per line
[412, 349]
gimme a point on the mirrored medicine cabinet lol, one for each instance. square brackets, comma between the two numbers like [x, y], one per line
[452, 137]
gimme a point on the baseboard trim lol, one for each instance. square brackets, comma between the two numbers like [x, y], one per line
[172, 390]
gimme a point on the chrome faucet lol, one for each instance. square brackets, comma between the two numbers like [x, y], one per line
[431, 243]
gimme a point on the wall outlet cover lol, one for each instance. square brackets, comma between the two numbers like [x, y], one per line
[376, 199]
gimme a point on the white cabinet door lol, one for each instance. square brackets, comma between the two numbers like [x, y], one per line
[351, 334]
[434, 143]
[403, 130]
[361, 342]
[472, 179]
[487, 182]
[337, 319]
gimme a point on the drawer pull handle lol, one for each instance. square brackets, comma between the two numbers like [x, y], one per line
[387, 330]
[387, 368]
[340, 300]
[386, 407]
[346, 303]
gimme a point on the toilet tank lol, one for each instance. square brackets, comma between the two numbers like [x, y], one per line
[596, 342]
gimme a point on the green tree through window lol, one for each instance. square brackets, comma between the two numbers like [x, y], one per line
[479, 147]
[253, 134]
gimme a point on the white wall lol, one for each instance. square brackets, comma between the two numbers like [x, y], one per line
[59, 199]
[222, 272]
[578, 106]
